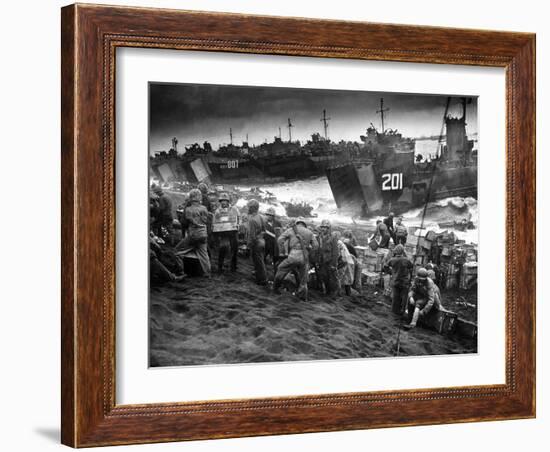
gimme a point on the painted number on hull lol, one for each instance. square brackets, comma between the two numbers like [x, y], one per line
[392, 181]
[233, 164]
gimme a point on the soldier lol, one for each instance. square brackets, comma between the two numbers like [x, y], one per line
[195, 219]
[205, 199]
[382, 231]
[301, 242]
[346, 265]
[164, 212]
[401, 269]
[423, 296]
[401, 232]
[256, 241]
[272, 231]
[328, 258]
[388, 221]
[351, 242]
[225, 226]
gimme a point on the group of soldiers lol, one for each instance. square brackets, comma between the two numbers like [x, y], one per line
[217, 230]
[301, 251]
[319, 258]
[386, 229]
[415, 297]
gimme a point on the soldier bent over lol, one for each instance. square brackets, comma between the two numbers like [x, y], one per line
[301, 242]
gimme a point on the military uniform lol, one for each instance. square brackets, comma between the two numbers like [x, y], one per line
[425, 296]
[195, 219]
[328, 260]
[401, 234]
[256, 243]
[382, 230]
[225, 226]
[300, 242]
[401, 269]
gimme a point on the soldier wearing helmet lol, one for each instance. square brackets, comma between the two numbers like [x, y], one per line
[163, 212]
[225, 227]
[272, 232]
[401, 232]
[383, 232]
[401, 270]
[203, 188]
[256, 241]
[195, 220]
[328, 258]
[300, 242]
[423, 296]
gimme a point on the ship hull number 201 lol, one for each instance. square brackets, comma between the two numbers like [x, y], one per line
[392, 181]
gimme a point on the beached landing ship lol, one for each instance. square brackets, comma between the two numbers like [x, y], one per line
[393, 180]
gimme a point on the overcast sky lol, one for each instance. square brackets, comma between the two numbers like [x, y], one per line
[196, 113]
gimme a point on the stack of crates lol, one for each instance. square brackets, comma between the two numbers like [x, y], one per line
[368, 258]
[468, 276]
[370, 278]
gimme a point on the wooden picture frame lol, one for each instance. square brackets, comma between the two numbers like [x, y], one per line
[90, 36]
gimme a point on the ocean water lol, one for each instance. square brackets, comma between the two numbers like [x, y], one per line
[317, 193]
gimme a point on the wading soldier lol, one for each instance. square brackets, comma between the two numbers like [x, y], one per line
[225, 226]
[256, 241]
[328, 258]
[301, 242]
[401, 232]
[423, 296]
[401, 269]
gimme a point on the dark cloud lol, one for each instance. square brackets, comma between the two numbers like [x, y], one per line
[195, 113]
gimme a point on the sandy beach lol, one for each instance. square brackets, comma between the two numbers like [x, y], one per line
[229, 319]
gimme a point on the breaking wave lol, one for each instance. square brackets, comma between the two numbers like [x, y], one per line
[440, 215]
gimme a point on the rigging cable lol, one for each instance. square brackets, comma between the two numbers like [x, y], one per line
[427, 199]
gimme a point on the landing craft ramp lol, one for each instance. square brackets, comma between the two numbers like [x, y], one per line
[354, 187]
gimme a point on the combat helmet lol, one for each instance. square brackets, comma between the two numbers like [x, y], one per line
[224, 196]
[253, 206]
[398, 250]
[195, 195]
[422, 273]
[301, 220]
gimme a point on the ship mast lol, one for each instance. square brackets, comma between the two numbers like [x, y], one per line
[325, 121]
[279, 133]
[290, 126]
[382, 111]
[231, 135]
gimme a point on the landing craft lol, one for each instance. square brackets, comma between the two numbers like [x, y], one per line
[391, 178]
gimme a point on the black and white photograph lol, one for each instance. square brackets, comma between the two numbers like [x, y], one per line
[295, 224]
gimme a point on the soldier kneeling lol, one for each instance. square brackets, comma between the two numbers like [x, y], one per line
[423, 295]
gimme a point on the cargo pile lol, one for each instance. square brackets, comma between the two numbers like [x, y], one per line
[456, 269]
